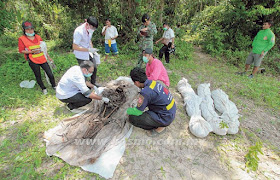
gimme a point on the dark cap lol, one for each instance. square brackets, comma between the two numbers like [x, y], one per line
[145, 18]
[92, 21]
[27, 25]
[148, 51]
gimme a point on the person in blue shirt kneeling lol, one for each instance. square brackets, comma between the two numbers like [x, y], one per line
[158, 99]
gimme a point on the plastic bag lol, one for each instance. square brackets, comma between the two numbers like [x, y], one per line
[199, 127]
[204, 90]
[232, 121]
[217, 125]
[220, 100]
[192, 104]
[27, 84]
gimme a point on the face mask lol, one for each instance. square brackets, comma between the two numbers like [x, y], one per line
[28, 34]
[164, 28]
[88, 75]
[90, 31]
[145, 59]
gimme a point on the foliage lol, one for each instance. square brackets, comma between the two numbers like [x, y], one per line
[252, 160]
[229, 28]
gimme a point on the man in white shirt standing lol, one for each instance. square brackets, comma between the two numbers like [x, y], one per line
[83, 47]
[73, 87]
[110, 32]
[168, 42]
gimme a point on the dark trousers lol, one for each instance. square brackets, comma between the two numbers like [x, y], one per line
[37, 72]
[164, 50]
[76, 101]
[93, 76]
[144, 121]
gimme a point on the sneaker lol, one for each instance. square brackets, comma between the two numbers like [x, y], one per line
[250, 76]
[45, 92]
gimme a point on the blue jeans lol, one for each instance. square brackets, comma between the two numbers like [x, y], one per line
[114, 49]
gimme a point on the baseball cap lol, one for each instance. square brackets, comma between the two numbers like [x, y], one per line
[148, 51]
[27, 25]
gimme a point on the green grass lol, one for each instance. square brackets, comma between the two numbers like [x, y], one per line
[25, 113]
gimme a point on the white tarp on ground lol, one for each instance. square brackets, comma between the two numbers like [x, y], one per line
[204, 104]
[95, 140]
[106, 164]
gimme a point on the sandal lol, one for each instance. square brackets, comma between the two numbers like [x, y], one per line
[154, 133]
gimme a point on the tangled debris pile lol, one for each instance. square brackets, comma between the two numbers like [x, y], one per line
[82, 139]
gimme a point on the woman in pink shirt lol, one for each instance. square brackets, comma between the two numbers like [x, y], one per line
[154, 68]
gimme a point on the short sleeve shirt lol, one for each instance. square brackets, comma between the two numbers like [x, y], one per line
[110, 32]
[71, 83]
[82, 38]
[156, 71]
[168, 34]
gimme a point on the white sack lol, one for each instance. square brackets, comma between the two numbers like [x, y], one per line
[210, 115]
[220, 100]
[185, 88]
[229, 110]
[232, 121]
[199, 127]
[215, 123]
[207, 108]
[192, 104]
[204, 90]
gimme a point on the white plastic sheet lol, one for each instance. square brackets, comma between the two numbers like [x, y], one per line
[199, 127]
[27, 84]
[106, 164]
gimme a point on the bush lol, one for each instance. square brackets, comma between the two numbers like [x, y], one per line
[213, 40]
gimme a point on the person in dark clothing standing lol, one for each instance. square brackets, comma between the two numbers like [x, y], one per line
[168, 42]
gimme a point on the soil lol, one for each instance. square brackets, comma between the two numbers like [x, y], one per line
[177, 154]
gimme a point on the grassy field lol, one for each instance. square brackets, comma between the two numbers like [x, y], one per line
[25, 113]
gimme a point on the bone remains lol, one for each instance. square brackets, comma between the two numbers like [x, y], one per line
[103, 122]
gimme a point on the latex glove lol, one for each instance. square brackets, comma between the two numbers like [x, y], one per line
[134, 111]
[92, 50]
[106, 100]
[96, 90]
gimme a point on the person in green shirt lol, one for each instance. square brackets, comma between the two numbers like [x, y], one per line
[263, 42]
[146, 32]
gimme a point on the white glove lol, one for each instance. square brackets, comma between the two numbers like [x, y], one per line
[92, 50]
[96, 90]
[106, 100]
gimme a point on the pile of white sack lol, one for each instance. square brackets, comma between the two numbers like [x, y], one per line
[201, 109]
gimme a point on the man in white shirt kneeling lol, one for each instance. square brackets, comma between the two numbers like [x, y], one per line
[74, 89]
